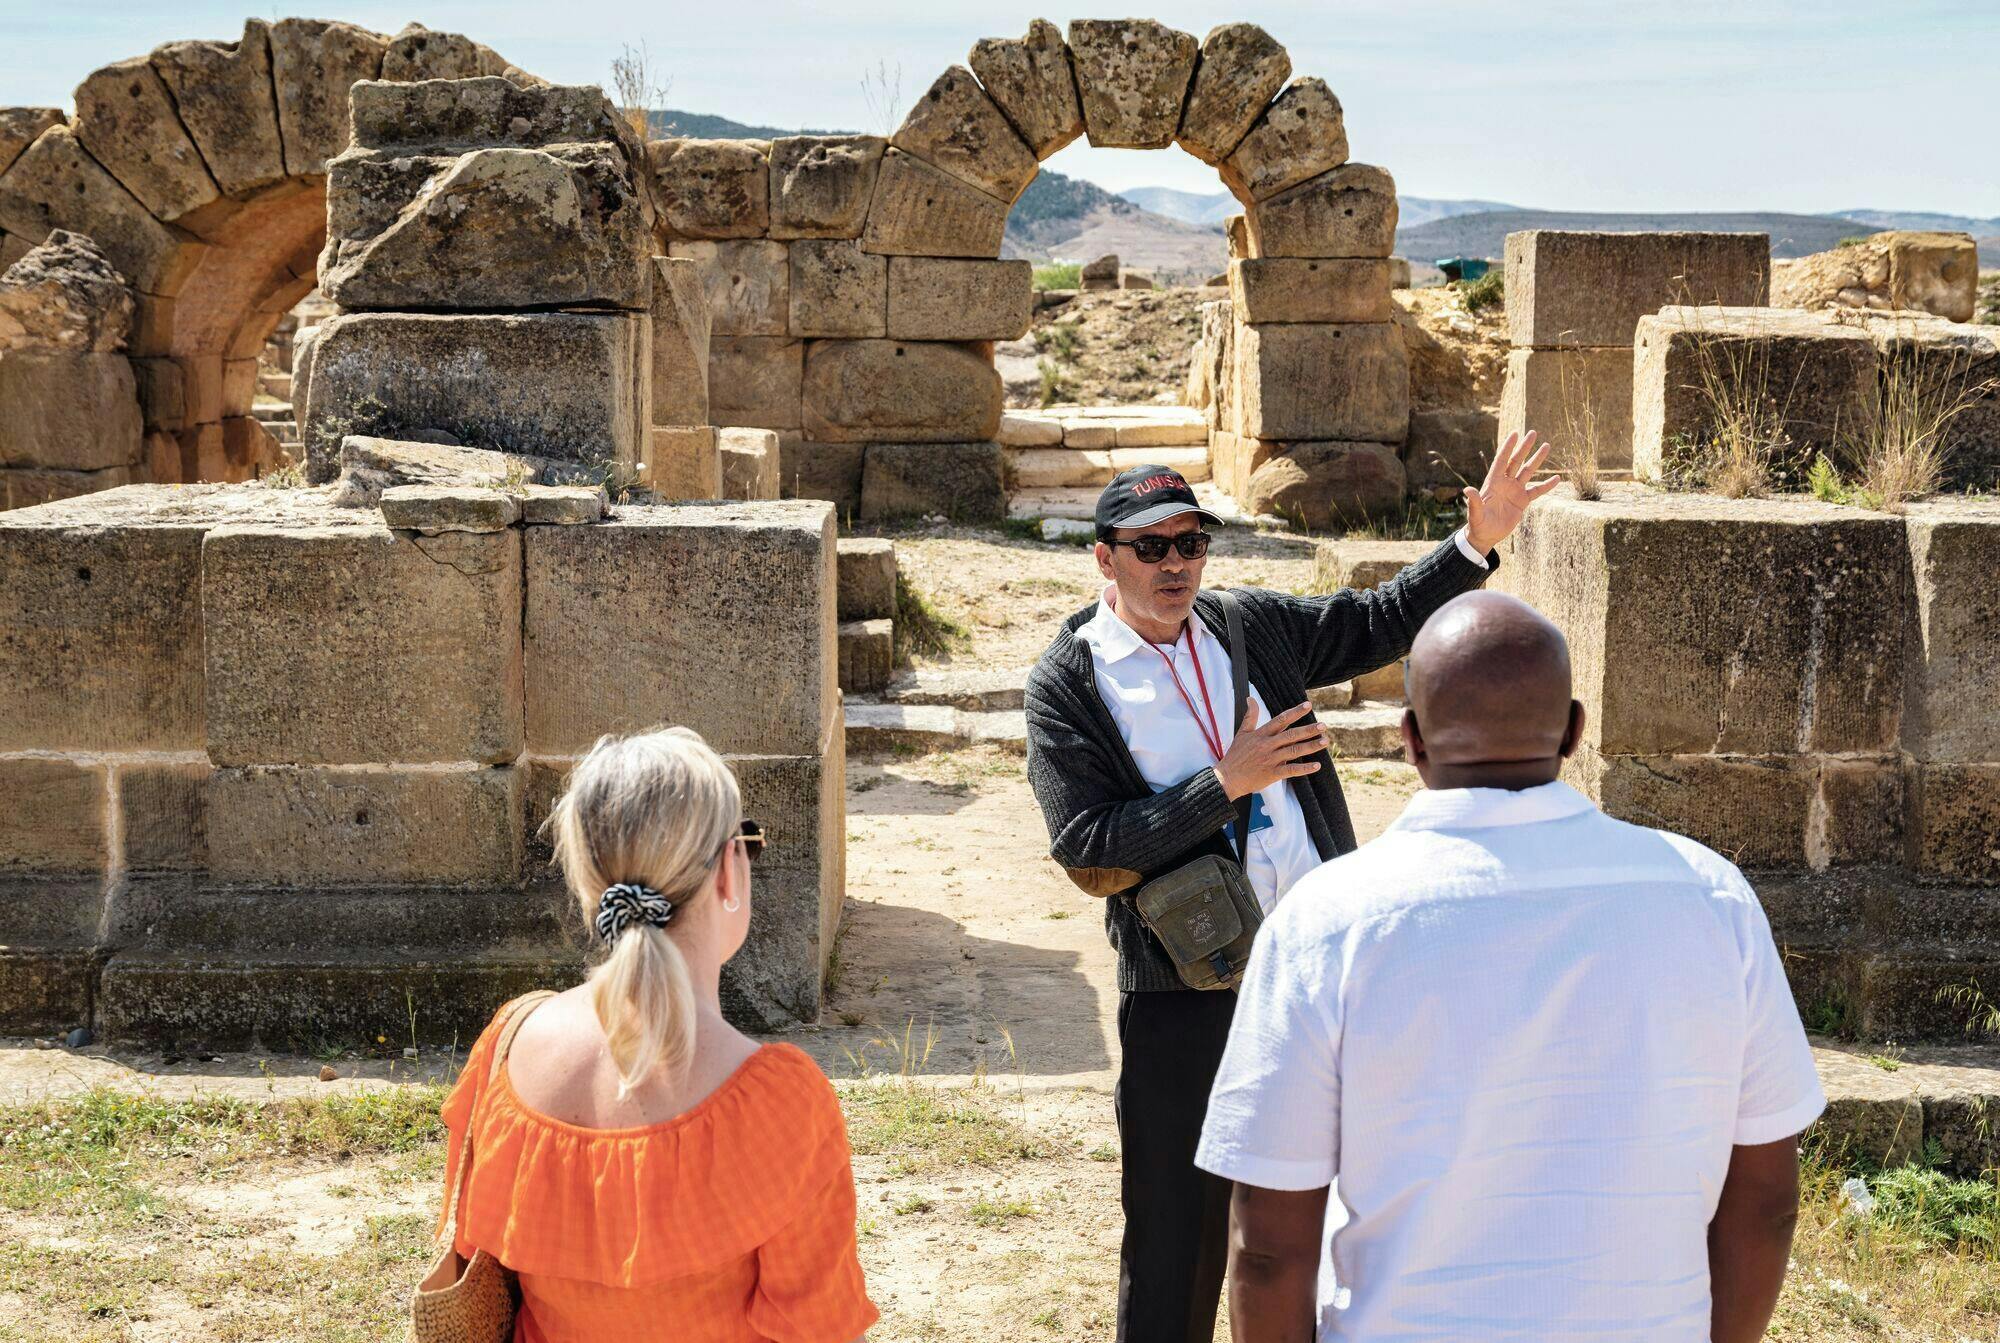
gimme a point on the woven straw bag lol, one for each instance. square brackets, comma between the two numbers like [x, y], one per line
[473, 1301]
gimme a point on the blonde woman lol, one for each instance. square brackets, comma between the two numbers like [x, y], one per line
[646, 1170]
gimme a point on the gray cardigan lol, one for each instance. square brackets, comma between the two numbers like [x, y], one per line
[1112, 833]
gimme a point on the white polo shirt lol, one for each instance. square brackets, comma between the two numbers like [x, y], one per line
[1519, 1039]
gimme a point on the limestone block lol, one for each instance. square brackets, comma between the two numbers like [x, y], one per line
[1952, 369]
[682, 462]
[26, 486]
[1703, 625]
[1030, 79]
[866, 578]
[1349, 212]
[54, 821]
[563, 505]
[918, 210]
[458, 114]
[1242, 68]
[314, 65]
[887, 391]
[251, 449]
[937, 299]
[1365, 565]
[1316, 381]
[1900, 271]
[1299, 136]
[1955, 821]
[563, 385]
[70, 412]
[1577, 288]
[432, 510]
[1579, 399]
[314, 824]
[371, 466]
[867, 656]
[1025, 429]
[497, 228]
[19, 127]
[162, 393]
[684, 650]
[1449, 449]
[1132, 77]
[1954, 633]
[345, 643]
[754, 381]
[64, 295]
[821, 184]
[955, 127]
[1384, 685]
[713, 188]
[682, 325]
[1134, 279]
[960, 481]
[125, 118]
[1101, 273]
[1236, 229]
[1233, 459]
[750, 463]
[747, 284]
[1399, 272]
[203, 456]
[1326, 486]
[828, 471]
[775, 980]
[837, 289]
[163, 815]
[162, 463]
[55, 184]
[419, 53]
[1808, 375]
[1309, 289]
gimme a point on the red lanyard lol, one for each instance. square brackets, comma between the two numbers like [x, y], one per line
[1211, 731]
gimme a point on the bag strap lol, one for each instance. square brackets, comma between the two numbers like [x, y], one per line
[510, 1026]
[1239, 676]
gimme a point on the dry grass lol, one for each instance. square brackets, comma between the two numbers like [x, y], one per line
[1901, 447]
[1746, 434]
[637, 87]
[1576, 456]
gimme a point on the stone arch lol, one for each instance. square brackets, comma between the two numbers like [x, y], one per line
[200, 171]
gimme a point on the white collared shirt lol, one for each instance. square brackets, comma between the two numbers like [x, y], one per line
[1159, 729]
[1519, 1038]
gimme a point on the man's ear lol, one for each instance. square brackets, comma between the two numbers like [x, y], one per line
[1413, 739]
[1103, 553]
[1573, 735]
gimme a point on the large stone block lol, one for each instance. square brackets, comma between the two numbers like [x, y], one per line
[1700, 625]
[965, 482]
[867, 578]
[1030, 79]
[938, 299]
[1132, 77]
[1242, 68]
[314, 66]
[346, 643]
[1955, 821]
[496, 228]
[419, 53]
[682, 462]
[1309, 289]
[1349, 212]
[1449, 449]
[1326, 486]
[748, 284]
[750, 463]
[888, 391]
[570, 386]
[837, 289]
[1233, 459]
[775, 981]
[955, 127]
[918, 210]
[459, 114]
[1578, 399]
[713, 188]
[821, 184]
[56, 184]
[682, 326]
[828, 471]
[125, 118]
[19, 128]
[1791, 380]
[1954, 632]
[1937, 374]
[1300, 135]
[867, 656]
[657, 592]
[69, 412]
[1575, 288]
[64, 296]
[27, 486]
[287, 825]
[754, 381]
[1896, 271]
[163, 815]
[434, 510]
[1319, 381]
[55, 820]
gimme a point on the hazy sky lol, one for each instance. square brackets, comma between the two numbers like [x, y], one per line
[1560, 104]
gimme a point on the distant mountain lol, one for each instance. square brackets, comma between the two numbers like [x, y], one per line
[1918, 219]
[1485, 233]
[666, 121]
[1197, 207]
[1069, 219]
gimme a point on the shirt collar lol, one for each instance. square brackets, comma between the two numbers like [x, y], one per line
[1477, 808]
[1113, 639]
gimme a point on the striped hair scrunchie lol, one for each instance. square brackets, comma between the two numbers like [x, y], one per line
[627, 903]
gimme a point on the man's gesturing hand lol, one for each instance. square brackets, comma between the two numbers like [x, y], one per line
[1260, 756]
[1494, 510]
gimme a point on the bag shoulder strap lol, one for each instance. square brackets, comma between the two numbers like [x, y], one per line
[517, 1012]
[1239, 676]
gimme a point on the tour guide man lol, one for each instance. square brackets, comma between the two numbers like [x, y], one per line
[1138, 767]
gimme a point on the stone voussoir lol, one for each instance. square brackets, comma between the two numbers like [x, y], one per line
[1132, 78]
[1300, 135]
[955, 127]
[1030, 79]
[1242, 68]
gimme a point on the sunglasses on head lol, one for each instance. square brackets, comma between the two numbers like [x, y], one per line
[752, 835]
[1151, 549]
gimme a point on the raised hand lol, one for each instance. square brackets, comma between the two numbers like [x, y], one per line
[1260, 756]
[1494, 510]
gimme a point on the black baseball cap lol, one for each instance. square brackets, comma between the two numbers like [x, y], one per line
[1145, 495]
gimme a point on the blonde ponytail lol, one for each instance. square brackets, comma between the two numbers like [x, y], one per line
[654, 811]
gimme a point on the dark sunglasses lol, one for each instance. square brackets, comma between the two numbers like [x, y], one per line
[752, 835]
[1150, 549]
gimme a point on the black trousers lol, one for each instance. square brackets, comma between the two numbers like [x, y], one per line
[1176, 1215]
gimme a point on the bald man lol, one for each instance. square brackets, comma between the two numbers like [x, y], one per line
[1546, 1062]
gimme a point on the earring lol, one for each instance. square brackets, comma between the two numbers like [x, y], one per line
[732, 904]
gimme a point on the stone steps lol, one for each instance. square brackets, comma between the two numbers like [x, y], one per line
[1938, 1096]
[1365, 732]
[1079, 503]
[979, 689]
[1104, 427]
[1075, 468]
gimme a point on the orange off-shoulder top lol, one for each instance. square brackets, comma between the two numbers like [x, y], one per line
[730, 1223]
